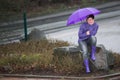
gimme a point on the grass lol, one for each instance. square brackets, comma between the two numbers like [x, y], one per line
[36, 57]
[25, 56]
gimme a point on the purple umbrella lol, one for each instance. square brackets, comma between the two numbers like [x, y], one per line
[81, 14]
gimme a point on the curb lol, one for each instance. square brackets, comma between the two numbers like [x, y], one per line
[59, 77]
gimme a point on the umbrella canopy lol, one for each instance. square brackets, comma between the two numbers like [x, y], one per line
[81, 14]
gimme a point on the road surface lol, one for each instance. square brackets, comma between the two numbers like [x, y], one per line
[108, 34]
[12, 31]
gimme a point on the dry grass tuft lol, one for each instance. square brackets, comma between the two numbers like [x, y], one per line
[36, 57]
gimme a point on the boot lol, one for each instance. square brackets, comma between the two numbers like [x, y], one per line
[86, 63]
[93, 52]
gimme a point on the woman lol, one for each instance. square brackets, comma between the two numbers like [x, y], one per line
[87, 37]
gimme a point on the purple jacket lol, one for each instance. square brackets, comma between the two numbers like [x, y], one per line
[84, 28]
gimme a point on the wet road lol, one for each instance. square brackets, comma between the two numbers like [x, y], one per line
[108, 34]
[13, 31]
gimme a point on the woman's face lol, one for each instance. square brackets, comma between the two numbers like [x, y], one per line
[90, 21]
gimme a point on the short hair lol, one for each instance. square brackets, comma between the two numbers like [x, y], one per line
[90, 16]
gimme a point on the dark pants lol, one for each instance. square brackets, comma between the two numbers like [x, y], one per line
[84, 46]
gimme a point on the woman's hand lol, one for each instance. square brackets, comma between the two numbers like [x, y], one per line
[88, 33]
